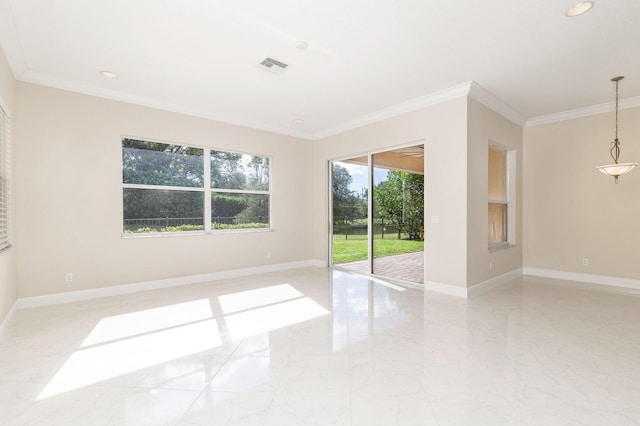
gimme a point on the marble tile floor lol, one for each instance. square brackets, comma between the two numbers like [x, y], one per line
[313, 346]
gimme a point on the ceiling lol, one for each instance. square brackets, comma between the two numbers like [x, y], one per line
[365, 59]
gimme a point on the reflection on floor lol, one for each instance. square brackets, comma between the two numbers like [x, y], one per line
[407, 267]
[312, 346]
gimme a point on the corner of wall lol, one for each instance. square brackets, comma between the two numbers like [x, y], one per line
[578, 221]
[485, 125]
[8, 262]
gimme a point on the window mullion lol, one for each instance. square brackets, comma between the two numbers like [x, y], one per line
[239, 191]
[161, 187]
[207, 190]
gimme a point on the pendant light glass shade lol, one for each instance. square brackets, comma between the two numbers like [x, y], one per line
[616, 169]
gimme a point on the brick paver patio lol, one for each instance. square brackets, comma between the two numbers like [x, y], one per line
[407, 267]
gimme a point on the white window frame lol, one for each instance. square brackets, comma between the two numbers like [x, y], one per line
[207, 190]
[5, 178]
[510, 193]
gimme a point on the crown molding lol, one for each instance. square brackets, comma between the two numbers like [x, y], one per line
[583, 112]
[46, 80]
[494, 103]
[454, 92]
[470, 88]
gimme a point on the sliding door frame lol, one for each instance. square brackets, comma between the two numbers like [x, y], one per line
[330, 212]
[370, 176]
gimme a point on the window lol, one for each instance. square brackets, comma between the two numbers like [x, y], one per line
[165, 187]
[497, 196]
[239, 190]
[501, 194]
[5, 168]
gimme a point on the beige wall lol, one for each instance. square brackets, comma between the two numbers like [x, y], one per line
[8, 280]
[484, 127]
[443, 130]
[456, 135]
[67, 186]
[69, 196]
[573, 211]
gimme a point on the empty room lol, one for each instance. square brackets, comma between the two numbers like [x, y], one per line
[319, 213]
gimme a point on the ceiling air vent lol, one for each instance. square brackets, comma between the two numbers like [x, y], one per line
[271, 65]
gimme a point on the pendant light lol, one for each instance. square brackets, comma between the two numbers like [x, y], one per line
[616, 169]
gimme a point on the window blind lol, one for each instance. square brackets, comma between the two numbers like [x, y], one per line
[5, 174]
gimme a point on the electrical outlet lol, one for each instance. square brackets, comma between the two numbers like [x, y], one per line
[585, 261]
[68, 277]
[490, 266]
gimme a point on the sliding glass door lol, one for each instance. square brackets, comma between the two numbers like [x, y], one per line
[377, 214]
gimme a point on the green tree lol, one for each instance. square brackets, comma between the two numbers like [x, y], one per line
[227, 206]
[153, 163]
[400, 199]
[257, 210]
[341, 192]
[341, 181]
[227, 170]
[258, 173]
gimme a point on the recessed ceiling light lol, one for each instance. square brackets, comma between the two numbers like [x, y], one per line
[579, 8]
[302, 45]
[298, 120]
[108, 74]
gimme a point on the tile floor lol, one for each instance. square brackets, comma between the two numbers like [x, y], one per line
[313, 346]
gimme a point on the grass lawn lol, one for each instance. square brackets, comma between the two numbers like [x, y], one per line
[352, 250]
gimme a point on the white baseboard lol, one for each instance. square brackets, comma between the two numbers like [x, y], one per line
[586, 278]
[96, 293]
[449, 289]
[7, 318]
[474, 290]
[493, 282]
[76, 296]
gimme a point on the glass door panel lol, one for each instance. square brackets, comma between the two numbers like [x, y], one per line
[398, 214]
[350, 227]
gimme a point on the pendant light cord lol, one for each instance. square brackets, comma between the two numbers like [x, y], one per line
[615, 149]
[617, 169]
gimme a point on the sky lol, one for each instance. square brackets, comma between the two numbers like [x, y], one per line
[359, 175]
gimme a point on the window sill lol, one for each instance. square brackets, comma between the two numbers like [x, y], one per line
[497, 247]
[238, 231]
[195, 233]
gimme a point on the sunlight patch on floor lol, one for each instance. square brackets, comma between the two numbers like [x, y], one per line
[126, 343]
[261, 320]
[148, 320]
[250, 299]
[106, 361]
